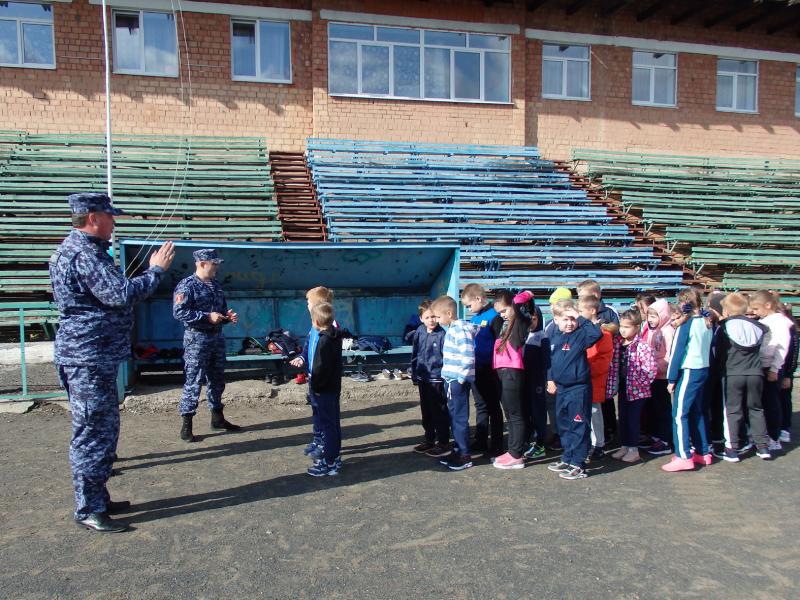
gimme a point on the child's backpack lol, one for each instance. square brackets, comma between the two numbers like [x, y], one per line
[281, 341]
[374, 343]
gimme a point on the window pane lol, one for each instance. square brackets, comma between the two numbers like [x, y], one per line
[496, 77]
[126, 50]
[655, 59]
[445, 38]
[746, 93]
[374, 69]
[406, 71]
[8, 42]
[160, 45]
[737, 66]
[467, 80]
[724, 91]
[566, 51]
[641, 85]
[665, 86]
[25, 10]
[351, 32]
[551, 78]
[275, 42]
[343, 68]
[577, 79]
[748, 66]
[393, 34]
[437, 73]
[724, 64]
[244, 49]
[488, 42]
[37, 43]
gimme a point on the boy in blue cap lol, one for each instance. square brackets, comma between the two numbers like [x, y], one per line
[199, 303]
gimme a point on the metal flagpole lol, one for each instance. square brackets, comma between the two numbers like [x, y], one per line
[108, 104]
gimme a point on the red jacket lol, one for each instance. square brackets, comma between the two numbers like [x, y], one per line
[599, 357]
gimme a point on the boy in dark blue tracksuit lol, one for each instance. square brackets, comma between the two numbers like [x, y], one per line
[569, 376]
[427, 346]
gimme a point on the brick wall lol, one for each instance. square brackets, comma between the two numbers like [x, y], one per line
[71, 98]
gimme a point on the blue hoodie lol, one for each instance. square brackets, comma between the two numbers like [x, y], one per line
[568, 363]
[484, 336]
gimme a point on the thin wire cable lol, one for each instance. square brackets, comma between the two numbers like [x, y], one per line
[154, 233]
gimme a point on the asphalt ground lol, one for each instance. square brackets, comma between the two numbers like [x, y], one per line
[235, 516]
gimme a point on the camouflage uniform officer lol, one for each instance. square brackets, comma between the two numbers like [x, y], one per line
[95, 303]
[199, 303]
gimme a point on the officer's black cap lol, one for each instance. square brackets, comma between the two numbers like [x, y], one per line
[87, 202]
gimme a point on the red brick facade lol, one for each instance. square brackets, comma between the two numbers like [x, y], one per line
[205, 101]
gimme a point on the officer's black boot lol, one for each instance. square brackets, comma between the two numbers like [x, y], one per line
[186, 429]
[218, 421]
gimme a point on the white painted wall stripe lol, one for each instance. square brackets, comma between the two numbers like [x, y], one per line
[374, 19]
[566, 37]
[234, 10]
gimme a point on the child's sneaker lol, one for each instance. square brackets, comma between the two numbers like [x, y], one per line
[775, 446]
[438, 451]
[385, 374]
[659, 448]
[535, 451]
[620, 453]
[595, 455]
[506, 461]
[746, 448]
[631, 456]
[398, 374]
[423, 447]
[573, 472]
[763, 452]
[459, 463]
[785, 437]
[558, 467]
[678, 464]
[321, 468]
[703, 459]
[310, 448]
[317, 453]
[727, 454]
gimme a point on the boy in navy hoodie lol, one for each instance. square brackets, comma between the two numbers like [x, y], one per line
[426, 373]
[569, 378]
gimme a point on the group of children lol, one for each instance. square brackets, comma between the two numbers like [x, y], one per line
[686, 376]
[682, 374]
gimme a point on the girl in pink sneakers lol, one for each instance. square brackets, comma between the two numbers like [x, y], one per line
[508, 363]
[633, 369]
[687, 374]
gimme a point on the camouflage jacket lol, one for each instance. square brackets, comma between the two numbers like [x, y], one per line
[194, 299]
[95, 301]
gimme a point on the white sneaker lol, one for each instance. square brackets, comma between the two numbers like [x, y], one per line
[747, 447]
[385, 374]
[785, 437]
[773, 445]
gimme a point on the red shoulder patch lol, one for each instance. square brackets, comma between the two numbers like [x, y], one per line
[179, 298]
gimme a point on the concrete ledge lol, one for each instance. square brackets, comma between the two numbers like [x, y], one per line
[16, 408]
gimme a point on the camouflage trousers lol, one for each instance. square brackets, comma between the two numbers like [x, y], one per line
[92, 393]
[204, 358]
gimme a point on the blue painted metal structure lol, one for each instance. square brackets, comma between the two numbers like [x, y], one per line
[377, 287]
[517, 218]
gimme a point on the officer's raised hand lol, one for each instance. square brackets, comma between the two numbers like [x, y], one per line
[232, 317]
[163, 256]
[216, 318]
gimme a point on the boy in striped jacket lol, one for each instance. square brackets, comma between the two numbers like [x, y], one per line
[458, 372]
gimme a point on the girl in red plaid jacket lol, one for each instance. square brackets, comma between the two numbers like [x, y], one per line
[633, 369]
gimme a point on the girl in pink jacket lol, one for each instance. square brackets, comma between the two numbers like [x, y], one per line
[633, 369]
[658, 332]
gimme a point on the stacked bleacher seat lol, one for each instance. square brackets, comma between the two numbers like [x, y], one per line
[518, 219]
[734, 219]
[208, 188]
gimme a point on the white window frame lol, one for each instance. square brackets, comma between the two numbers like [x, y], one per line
[256, 23]
[736, 75]
[653, 69]
[20, 49]
[142, 72]
[563, 95]
[422, 46]
[796, 87]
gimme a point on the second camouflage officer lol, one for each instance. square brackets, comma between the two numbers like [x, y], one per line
[199, 303]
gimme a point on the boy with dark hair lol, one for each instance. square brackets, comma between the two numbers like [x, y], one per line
[570, 378]
[488, 413]
[325, 387]
[427, 346]
[458, 372]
